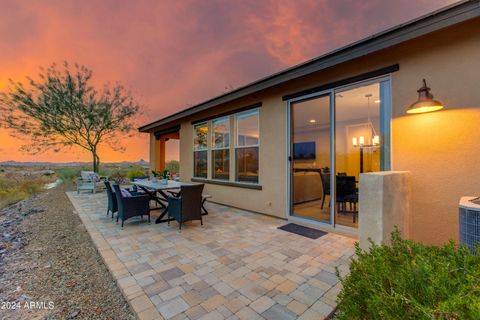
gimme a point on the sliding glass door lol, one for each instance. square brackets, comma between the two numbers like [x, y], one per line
[311, 150]
[334, 137]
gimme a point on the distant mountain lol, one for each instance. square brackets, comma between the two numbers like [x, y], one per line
[12, 163]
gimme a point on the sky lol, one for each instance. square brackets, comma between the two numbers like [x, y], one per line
[172, 54]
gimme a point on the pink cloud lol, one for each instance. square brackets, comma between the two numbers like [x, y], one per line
[174, 53]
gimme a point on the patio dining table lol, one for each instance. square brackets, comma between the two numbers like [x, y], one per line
[157, 192]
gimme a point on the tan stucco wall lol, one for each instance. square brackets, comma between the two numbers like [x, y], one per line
[272, 198]
[440, 149]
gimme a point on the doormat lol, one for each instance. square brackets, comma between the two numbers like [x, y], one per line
[303, 231]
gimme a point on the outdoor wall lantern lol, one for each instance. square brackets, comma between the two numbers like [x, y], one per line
[425, 102]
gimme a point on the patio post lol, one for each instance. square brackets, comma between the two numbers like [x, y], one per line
[385, 202]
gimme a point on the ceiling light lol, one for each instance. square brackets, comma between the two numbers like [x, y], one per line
[377, 101]
[312, 121]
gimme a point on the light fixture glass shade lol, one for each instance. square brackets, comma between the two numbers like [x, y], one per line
[425, 102]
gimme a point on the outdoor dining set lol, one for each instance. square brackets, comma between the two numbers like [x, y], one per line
[176, 201]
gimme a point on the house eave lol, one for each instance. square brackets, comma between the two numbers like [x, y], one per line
[434, 21]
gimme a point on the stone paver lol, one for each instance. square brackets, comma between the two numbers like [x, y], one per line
[238, 265]
[262, 304]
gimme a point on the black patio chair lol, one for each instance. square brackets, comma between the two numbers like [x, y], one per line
[132, 206]
[187, 206]
[347, 193]
[325, 177]
[205, 197]
[112, 205]
[134, 187]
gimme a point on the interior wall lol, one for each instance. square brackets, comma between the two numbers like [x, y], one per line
[347, 156]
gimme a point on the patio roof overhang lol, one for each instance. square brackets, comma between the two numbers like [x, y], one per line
[434, 21]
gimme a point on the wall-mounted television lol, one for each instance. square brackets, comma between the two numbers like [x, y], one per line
[304, 150]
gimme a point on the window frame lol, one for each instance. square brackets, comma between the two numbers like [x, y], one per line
[237, 116]
[195, 149]
[233, 146]
[214, 148]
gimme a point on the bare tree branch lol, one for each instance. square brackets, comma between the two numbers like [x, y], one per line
[62, 109]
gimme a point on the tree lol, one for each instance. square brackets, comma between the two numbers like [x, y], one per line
[173, 166]
[62, 109]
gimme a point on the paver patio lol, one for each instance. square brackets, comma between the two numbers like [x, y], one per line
[238, 265]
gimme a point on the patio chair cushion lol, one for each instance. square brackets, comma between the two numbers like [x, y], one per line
[125, 193]
[95, 178]
[140, 179]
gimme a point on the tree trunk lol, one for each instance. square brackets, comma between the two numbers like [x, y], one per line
[96, 161]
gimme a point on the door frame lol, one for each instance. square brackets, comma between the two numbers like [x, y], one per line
[326, 93]
[385, 123]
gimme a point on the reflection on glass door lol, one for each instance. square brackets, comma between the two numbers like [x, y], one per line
[361, 144]
[358, 144]
[310, 155]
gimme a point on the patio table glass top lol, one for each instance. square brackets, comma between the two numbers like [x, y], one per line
[159, 186]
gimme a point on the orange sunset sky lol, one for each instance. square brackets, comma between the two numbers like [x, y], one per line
[171, 54]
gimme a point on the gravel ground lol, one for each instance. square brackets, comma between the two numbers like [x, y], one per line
[47, 257]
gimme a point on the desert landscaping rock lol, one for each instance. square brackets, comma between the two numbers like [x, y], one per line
[46, 256]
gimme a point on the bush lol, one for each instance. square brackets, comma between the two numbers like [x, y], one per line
[409, 280]
[68, 174]
[118, 176]
[136, 173]
[11, 196]
[172, 166]
[14, 190]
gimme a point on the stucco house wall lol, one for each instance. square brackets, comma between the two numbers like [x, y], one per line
[440, 148]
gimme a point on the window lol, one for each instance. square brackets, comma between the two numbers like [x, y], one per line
[221, 148]
[247, 145]
[200, 134]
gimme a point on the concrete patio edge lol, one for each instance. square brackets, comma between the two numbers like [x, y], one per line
[138, 303]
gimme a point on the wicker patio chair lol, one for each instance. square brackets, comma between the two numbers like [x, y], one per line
[112, 205]
[187, 206]
[131, 206]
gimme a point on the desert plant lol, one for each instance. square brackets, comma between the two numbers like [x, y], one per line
[68, 174]
[409, 280]
[136, 173]
[119, 177]
[173, 166]
[12, 191]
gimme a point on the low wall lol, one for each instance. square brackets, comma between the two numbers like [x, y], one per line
[385, 202]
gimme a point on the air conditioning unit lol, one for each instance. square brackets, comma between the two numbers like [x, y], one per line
[469, 221]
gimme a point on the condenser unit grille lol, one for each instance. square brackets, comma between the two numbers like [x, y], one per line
[469, 221]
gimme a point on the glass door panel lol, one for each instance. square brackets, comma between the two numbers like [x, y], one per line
[359, 139]
[310, 158]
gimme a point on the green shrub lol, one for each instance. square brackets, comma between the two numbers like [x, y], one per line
[68, 174]
[10, 196]
[136, 173]
[14, 190]
[172, 166]
[409, 280]
[119, 176]
[106, 171]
